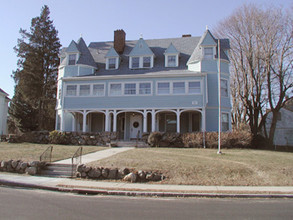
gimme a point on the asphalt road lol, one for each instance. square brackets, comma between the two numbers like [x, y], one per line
[29, 204]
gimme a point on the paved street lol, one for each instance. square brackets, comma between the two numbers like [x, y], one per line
[38, 204]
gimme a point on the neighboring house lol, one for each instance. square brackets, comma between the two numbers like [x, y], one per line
[137, 86]
[4, 100]
[284, 129]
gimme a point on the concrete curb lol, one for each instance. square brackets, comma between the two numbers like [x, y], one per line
[139, 193]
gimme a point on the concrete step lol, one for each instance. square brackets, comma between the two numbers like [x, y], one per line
[58, 170]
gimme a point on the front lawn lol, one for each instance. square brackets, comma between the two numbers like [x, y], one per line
[31, 152]
[235, 167]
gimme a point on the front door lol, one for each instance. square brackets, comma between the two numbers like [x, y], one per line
[135, 126]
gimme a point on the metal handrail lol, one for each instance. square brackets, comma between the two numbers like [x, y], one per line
[43, 156]
[76, 156]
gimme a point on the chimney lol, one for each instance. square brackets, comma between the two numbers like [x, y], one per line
[119, 41]
[186, 35]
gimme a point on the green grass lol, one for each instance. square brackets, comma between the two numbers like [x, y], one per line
[31, 152]
[235, 167]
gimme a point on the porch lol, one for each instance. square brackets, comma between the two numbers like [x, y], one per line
[130, 124]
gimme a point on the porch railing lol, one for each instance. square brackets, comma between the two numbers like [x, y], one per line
[76, 159]
[46, 156]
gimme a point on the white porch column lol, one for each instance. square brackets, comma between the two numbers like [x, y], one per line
[153, 120]
[145, 121]
[73, 122]
[178, 120]
[114, 121]
[107, 120]
[84, 121]
[62, 127]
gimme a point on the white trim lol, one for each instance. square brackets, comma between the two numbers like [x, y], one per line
[186, 83]
[78, 89]
[136, 88]
[228, 92]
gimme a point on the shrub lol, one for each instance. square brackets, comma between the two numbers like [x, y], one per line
[154, 139]
[235, 139]
[57, 137]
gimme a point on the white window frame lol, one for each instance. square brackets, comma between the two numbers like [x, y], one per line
[122, 90]
[141, 62]
[200, 87]
[167, 60]
[79, 85]
[145, 94]
[76, 58]
[76, 90]
[146, 57]
[227, 88]
[104, 90]
[208, 56]
[136, 67]
[170, 89]
[186, 84]
[108, 63]
[228, 122]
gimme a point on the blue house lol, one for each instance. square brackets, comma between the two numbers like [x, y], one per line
[137, 86]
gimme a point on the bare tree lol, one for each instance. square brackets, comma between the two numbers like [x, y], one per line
[261, 63]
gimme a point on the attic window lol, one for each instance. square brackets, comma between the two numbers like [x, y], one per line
[135, 62]
[72, 59]
[171, 60]
[147, 62]
[208, 52]
[112, 63]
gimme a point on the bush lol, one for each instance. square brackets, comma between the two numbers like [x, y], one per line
[57, 137]
[235, 139]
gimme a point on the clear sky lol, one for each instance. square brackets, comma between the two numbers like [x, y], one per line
[96, 20]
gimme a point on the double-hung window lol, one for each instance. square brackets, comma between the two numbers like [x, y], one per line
[112, 63]
[178, 87]
[225, 122]
[208, 52]
[163, 88]
[135, 62]
[129, 89]
[194, 87]
[115, 89]
[98, 90]
[144, 88]
[146, 62]
[72, 59]
[71, 90]
[171, 60]
[84, 90]
[224, 87]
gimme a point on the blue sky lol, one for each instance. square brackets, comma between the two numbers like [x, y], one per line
[96, 20]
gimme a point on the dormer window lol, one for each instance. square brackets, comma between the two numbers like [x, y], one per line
[171, 61]
[112, 60]
[146, 62]
[208, 52]
[171, 56]
[72, 59]
[112, 63]
[141, 56]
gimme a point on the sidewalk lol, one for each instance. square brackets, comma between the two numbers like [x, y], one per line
[99, 155]
[141, 189]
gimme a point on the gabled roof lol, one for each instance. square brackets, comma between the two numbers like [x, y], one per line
[171, 50]
[72, 48]
[141, 48]
[85, 56]
[112, 53]
[208, 39]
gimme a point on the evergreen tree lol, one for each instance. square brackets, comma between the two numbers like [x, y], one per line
[36, 75]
